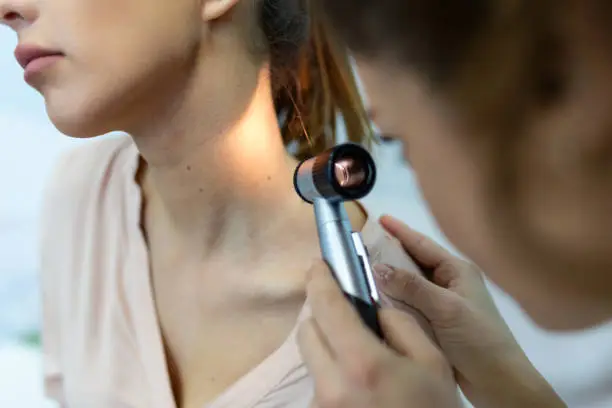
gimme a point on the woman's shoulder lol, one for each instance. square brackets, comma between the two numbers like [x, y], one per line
[80, 182]
[382, 248]
[79, 169]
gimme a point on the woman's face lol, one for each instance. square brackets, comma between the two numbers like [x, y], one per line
[550, 244]
[116, 56]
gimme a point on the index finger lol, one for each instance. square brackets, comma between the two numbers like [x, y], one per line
[425, 251]
[340, 324]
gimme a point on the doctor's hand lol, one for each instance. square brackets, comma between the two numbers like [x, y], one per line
[352, 368]
[489, 365]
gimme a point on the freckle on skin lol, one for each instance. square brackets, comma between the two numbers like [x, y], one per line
[269, 178]
[201, 190]
[188, 168]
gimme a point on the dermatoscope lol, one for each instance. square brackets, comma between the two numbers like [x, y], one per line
[343, 173]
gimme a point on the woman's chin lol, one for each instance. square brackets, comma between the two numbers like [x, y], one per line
[81, 126]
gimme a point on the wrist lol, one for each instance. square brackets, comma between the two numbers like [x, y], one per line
[520, 384]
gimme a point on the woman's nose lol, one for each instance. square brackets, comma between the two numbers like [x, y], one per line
[17, 14]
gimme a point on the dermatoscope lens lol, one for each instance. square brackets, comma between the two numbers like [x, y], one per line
[341, 173]
[349, 173]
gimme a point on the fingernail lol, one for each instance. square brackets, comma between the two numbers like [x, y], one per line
[383, 272]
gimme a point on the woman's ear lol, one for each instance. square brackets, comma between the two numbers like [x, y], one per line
[214, 9]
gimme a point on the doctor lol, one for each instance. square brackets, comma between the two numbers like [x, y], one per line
[503, 110]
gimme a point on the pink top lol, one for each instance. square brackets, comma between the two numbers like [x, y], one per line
[101, 337]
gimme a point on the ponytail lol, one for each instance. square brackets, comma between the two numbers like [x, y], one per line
[312, 79]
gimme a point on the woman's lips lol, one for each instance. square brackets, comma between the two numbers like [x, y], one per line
[34, 59]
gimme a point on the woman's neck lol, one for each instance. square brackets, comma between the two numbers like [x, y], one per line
[213, 183]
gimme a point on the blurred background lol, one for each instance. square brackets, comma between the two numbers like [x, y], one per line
[578, 365]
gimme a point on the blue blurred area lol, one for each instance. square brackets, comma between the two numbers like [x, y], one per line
[19, 306]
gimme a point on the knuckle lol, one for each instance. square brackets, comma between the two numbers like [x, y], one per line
[449, 271]
[468, 268]
[367, 372]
